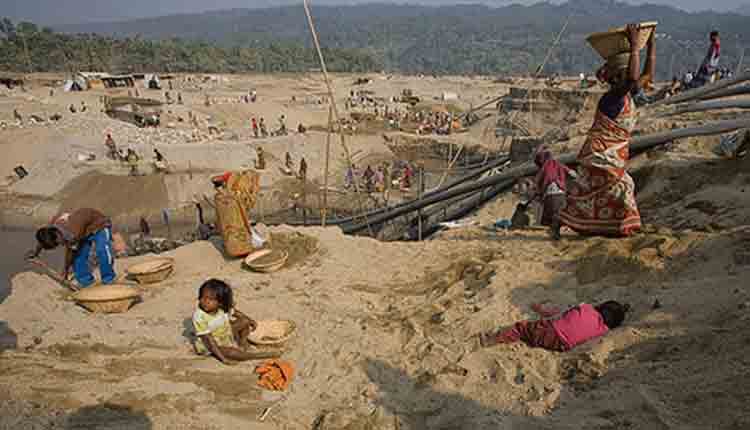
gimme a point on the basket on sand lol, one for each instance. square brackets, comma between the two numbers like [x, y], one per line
[152, 271]
[266, 260]
[272, 332]
[107, 299]
[615, 41]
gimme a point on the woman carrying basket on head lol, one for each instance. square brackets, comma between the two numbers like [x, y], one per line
[601, 201]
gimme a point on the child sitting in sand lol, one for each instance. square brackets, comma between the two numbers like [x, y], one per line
[221, 329]
[563, 332]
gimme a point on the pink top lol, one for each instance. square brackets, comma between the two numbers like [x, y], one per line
[580, 324]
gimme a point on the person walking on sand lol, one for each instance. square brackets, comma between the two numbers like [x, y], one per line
[109, 142]
[254, 124]
[79, 232]
[303, 169]
[601, 201]
[263, 129]
[550, 189]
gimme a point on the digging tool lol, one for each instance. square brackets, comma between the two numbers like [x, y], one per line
[52, 273]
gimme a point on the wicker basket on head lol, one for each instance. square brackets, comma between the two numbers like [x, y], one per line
[107, 299]
[615, 41]
[152, 271]
[272, 332]
[266, 260]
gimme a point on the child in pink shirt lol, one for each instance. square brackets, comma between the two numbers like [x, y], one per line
[563, 331]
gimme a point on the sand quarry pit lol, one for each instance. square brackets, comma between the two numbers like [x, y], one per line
[385, 330]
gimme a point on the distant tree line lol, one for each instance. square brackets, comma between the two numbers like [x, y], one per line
[467, 39]
[24, 47]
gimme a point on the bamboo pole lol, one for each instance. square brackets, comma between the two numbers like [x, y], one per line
[334, 109]
[325, 171]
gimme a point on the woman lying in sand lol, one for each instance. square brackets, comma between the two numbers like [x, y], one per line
[222, 330]
[563, 331]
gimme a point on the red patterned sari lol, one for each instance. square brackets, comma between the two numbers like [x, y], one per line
[602, 198]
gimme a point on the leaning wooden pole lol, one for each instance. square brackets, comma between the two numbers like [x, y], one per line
[325, 170]
[709, 105]
[332, 98]
[727, 92]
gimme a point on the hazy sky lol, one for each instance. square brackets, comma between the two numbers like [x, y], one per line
[78, 11]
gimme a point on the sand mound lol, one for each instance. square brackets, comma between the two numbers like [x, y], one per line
[117, 196]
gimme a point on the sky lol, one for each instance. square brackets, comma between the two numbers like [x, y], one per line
[56, 12]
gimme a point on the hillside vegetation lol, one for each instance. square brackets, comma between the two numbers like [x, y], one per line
[466, 39]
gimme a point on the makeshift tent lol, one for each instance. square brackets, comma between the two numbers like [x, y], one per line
[71, 85]
[446, 96]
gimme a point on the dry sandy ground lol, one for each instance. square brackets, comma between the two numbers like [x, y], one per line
[385, 330]
[50, 151]
[369, 352]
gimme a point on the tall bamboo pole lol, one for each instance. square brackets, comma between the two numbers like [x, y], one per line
[325, 172]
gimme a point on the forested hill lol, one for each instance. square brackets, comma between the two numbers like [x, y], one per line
[449, 39]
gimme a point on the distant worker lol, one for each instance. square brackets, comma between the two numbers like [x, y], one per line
[132, 159]
[301, 129]
[288, 161]
[710, 64]
[282, 124]
[260, 163]
[263, 129]
[17, 116]
[83, 106]
[254, 125]
[303, 169]
[72, 109]
[109, 142]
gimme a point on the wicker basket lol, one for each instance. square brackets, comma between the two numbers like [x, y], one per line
[277, 260]
[615, 41]
[152, 271]
[108, 299]
[272, 332]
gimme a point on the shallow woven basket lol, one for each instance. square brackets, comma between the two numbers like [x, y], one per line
[272, 332]
[108, 299]
[276, 264]
[152, 271]
[615, 41]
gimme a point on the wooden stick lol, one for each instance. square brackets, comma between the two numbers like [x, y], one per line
[325, 172]
[53, 274]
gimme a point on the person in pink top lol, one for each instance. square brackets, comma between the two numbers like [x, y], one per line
[561, 331]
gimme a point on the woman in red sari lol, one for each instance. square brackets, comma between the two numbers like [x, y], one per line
[601, 201]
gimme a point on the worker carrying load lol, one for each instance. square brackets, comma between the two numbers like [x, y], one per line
[602, 200]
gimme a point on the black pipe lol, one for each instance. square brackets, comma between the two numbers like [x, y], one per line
[637, 144]
[468, 177]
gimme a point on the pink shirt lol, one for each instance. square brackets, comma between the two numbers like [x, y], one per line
[580, 324]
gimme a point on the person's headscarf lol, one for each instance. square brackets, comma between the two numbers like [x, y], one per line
[550, 170]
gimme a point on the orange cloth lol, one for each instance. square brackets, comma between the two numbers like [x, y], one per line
[275, 375]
